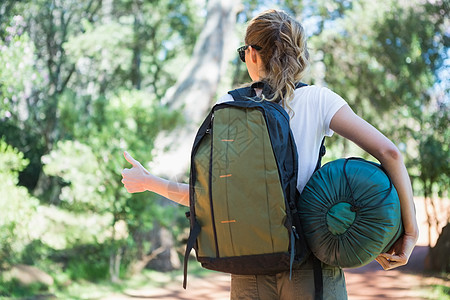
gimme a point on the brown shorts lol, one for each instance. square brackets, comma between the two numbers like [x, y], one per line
[278, 286]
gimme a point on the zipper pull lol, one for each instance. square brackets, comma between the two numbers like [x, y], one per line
[208, 130]
[294, 230]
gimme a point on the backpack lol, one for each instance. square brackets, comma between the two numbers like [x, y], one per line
[243, 189]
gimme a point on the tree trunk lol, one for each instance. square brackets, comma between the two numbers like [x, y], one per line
[163, 245]
[193, 92]
[136, 75]
[139, 265]
[115, 259]
[427, 211]
[438, 259]
[196, 87]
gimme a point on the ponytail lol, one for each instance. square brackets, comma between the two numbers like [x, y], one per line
[284, 52]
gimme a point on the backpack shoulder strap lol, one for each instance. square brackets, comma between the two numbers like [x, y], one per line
[322, 152]
[242, 94]
[249, 91]
[300, 84]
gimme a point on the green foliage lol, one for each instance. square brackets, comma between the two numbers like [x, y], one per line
[93, 267]
[60, 228]
[18, 75]
[13, 288]
[77, 166]
[35, 252]
[90, 164]
[17, 207]
[90, 87]
[433, 156]
[20, 78]
[436, 292]
[88, 270]
[103, 51]
[11, 160]
[388, 69]
[133, 50]
[81, 81]
[389, 59]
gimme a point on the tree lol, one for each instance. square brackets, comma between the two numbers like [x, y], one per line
[99, 78]
[389, 69]
[48, 24]
[17, 207]
[89, 166]
[193, 92]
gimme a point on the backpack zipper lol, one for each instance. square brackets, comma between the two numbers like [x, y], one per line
[210, 131]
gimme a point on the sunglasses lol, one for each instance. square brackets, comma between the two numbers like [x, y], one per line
[241, 50]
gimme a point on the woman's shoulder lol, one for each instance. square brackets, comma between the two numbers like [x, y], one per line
[313, 93]
[314, 99]
[314, 90]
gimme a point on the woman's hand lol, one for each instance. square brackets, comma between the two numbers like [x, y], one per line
[399, 253]
[138, 179]
[346, 123]
[134, 179]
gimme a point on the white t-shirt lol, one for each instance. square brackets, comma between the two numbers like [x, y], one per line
[314, 107]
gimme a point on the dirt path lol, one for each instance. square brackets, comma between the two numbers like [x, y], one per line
[367, 283]
[372, 282]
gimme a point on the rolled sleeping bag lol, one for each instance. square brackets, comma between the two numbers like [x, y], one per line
[350, 212]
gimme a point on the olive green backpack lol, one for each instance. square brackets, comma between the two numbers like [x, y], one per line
[243, 192]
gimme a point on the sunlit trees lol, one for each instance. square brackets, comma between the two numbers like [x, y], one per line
[81, 81]
[17, 207]
[388, 60]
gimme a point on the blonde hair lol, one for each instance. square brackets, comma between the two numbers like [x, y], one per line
[284, 52]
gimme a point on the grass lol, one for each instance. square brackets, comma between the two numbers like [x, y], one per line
[435, 286]
[436, 292]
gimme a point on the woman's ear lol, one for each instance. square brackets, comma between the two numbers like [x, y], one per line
[254, 55]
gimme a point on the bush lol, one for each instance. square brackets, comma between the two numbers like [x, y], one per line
[14, 288]
[89, 262]
[17, 206]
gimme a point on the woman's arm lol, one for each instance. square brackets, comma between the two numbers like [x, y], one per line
[138, 179]
[347, 124]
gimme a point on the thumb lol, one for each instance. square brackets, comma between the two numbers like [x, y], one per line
[130, 159]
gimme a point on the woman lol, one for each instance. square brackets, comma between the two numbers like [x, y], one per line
[275, 52]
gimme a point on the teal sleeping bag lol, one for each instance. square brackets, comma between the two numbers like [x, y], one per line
[350, 212]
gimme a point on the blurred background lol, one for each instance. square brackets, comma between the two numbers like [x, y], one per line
[83, 80]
